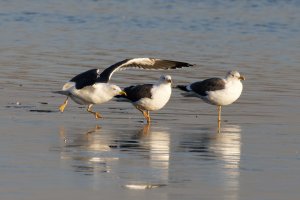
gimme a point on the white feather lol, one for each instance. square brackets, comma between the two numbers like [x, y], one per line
[161, 93]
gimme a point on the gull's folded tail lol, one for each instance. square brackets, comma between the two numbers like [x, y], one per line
[182, 87]
[61, 92]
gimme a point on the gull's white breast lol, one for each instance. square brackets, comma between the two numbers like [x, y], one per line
[95, 94]
[160, 97]
[226, 96]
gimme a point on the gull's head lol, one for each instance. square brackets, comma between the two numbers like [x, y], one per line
[234, 75]
[165, 79]
[116, 90]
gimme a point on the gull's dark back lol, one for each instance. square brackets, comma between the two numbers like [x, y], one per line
[207, 85]
[135, 93]
[85, 79]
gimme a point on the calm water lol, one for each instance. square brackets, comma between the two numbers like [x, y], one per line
[48, 155]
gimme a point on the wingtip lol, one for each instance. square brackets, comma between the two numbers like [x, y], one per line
[190, 65]
[182, 65]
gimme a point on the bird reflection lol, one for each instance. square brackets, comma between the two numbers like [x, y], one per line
[82, 148]
[225, 152]
[124, 153]
[143, 132]
[88, 140]
[156, 146]
[132, 143]
[228, 148]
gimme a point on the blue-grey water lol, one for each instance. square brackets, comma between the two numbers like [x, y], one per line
[49, 155]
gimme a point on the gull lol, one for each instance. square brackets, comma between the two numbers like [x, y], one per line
[217, 91]
[149, 97]
[93, 87]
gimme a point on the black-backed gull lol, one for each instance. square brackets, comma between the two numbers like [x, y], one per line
[217, 91]
[149, 97]
[92, 87]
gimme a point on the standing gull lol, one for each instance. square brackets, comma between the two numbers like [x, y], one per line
[92, 87]
[149, 97]
[217, 91]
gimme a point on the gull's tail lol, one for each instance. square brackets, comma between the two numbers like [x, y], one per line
[187, 90]
[182, 87]
[65, 89]
[62, 92]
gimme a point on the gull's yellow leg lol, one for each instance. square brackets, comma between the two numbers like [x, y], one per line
[219, 113]
[145, 113]
[148, 117]
[219, 119]
[63, 106]
[96, 114]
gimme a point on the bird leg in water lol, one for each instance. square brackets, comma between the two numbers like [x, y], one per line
[219, 119]
[63, 106]
[145, 113]
[147, 116]
[145, 129]
[97, 115]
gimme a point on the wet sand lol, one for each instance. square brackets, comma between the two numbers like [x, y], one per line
[50, 155]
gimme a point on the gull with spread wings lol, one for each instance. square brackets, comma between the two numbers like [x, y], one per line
[93, 87]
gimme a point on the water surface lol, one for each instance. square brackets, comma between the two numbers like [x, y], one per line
[49, 155]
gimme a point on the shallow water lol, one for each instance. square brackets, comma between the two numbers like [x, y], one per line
[48, 155]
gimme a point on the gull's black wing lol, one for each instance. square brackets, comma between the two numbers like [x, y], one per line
[137, 92]
[86, 78]
[211, 84]
[142, 63]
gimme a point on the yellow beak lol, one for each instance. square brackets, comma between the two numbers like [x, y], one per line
[242, 78]
[123, 93]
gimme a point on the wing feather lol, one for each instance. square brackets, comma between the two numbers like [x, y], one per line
[137, 92]
[141, 63]
[86, 78]
[212, 84]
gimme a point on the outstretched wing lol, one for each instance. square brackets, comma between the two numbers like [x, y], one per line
[86, 78]
[212, 84]
[142, 63]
